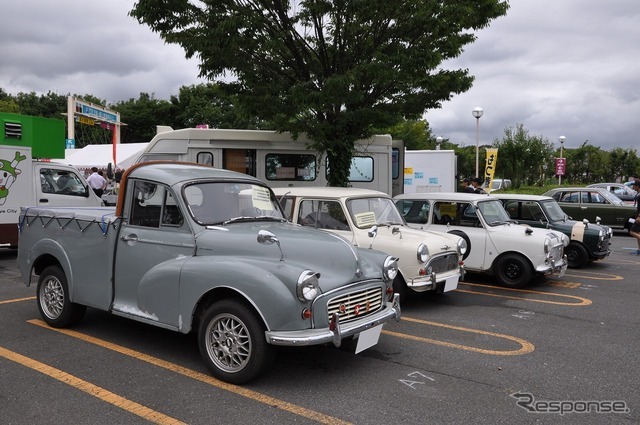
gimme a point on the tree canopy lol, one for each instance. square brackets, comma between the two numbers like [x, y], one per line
[335, 70]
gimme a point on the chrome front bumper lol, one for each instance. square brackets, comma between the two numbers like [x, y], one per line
[559, 266]
[336, 331]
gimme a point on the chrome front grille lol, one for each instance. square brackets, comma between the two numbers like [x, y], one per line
[444, 263]
[355, 304]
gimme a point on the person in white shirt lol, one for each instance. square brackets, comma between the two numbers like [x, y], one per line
[96, 182]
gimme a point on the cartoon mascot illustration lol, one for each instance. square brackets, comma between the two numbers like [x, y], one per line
[8, 174]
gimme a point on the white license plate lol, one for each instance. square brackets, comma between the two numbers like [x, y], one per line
[368, 338]
[451, 283]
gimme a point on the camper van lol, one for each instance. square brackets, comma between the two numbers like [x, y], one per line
[277, 159]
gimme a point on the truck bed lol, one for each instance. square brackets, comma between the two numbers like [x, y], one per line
[83, 241]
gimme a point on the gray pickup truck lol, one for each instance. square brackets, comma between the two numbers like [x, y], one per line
[193, 248]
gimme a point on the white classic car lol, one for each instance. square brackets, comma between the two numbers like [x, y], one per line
[497, 245]
[427, 261]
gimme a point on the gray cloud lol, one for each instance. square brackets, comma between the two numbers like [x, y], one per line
[565, 67]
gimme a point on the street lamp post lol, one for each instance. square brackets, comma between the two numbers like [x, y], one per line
[477, 113]
[438, 142]
[561, 139]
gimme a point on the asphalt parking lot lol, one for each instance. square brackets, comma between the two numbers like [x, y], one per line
[564, 350]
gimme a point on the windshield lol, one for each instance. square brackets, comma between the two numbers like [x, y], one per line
[493, 212]
[553, 210]
[366, 212]
[222, 202]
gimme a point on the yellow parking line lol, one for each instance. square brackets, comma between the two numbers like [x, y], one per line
[581, 301]
[525, 346]
[17, 300]
[253, 395]
[94, 390]
[605, 276]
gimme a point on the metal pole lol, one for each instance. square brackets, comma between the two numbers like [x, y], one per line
[477, 144]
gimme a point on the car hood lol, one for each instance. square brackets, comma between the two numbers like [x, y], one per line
[390, 240]
[303, 248]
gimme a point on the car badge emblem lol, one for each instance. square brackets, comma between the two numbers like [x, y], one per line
[356, 309]
[342, 309]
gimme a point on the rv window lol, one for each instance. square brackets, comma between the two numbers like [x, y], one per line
[361, 169]
[290, 166]
[205, 158]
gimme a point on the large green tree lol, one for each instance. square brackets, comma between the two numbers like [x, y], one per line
[333, 69]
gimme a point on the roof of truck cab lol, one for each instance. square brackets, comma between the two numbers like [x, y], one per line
[171, 172]
[327, 192]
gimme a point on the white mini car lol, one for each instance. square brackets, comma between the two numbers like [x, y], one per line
[427, 261]
[497, 245]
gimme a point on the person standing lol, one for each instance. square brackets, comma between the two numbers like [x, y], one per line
[477, 185]
[96, 182]
[466, 186]
[635, 228]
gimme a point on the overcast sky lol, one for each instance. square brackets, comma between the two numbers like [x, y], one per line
[559, 67]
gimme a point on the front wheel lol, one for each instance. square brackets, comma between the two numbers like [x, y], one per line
[577, 255]
[514, 271]
[53, 299]
[232, 342]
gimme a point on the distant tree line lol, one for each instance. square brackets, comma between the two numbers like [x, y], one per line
[525, 159]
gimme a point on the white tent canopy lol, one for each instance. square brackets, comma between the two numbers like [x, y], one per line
[101, 155]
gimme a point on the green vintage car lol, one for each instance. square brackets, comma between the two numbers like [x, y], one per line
[589, 241]
[595, 204]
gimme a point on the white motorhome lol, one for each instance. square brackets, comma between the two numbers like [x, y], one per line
[278, 159]
[430, 171]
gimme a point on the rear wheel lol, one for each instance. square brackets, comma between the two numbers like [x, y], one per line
[577, 255]
[232, 342]
[53, 299]
[513, 270]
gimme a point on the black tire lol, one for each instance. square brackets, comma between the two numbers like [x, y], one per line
[53, 299]
[400, 288]
[232, 342]
[513, 270]
[464, 236]
[577, 255]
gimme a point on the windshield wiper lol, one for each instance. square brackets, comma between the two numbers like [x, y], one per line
[253, 218]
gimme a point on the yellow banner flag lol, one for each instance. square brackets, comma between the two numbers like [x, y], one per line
[490, 167]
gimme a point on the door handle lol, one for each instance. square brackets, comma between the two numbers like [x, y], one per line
[130, 238]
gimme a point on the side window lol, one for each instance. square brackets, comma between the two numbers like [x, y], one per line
[531, 211]
[287, 205]
[322, 215]
[61, 182]
[469, 215]
[444, 213]
[171, 215]
[570, 197]
[205, 158]
[361, 169]
[146, 205]
[512, 209]
[416, 212]
[290, 166]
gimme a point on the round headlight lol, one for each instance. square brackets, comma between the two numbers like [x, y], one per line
[601, 235]
[462, 246]
[423, 253]
[308, 287]
[390, 268]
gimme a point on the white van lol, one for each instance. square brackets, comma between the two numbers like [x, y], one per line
[24, 182]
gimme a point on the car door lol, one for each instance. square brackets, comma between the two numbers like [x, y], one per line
[593, 205]
[153, 244]
[526, 212]
[461, 218]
